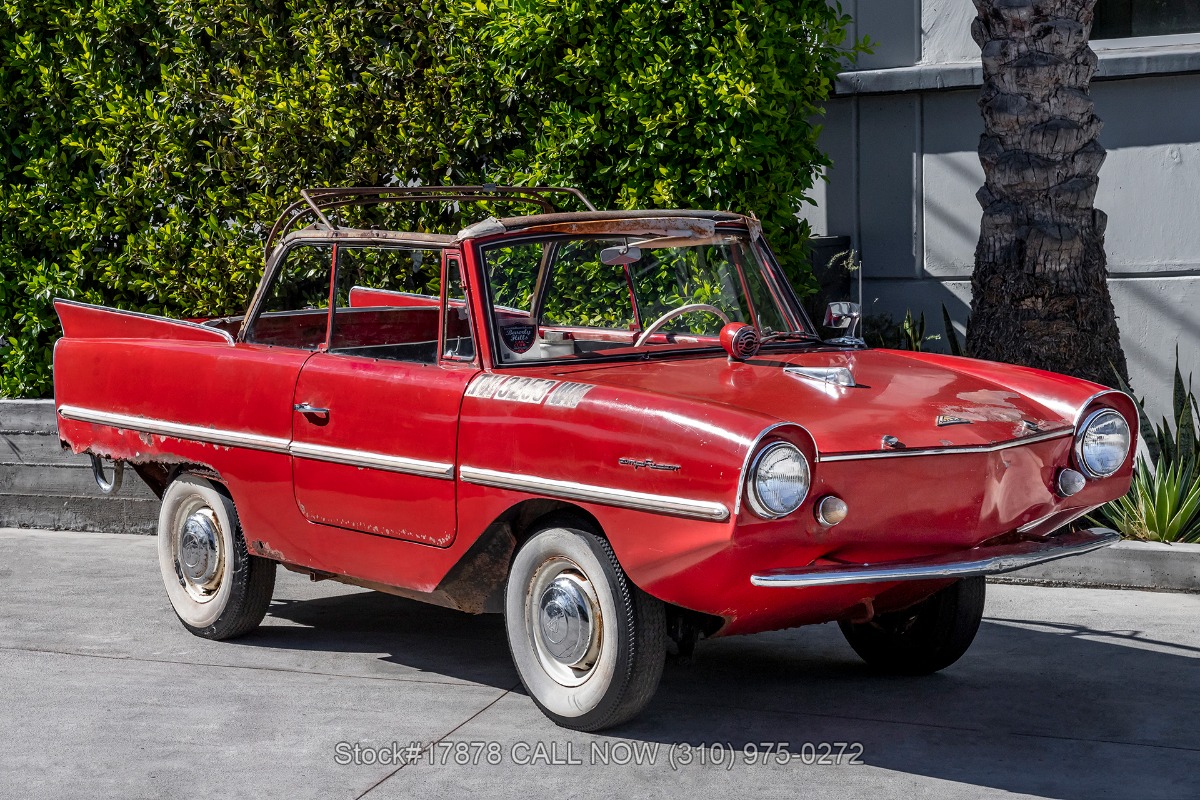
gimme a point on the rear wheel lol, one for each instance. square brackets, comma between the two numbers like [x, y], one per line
[588, 644]
[218, 590]
[924, 638]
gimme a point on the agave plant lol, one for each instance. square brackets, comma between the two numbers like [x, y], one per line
[1163, 503]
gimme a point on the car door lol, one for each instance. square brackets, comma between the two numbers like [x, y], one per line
[375, 426]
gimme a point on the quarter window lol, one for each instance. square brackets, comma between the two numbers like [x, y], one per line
[459, 344]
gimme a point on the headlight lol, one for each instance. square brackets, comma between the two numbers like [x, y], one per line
[1102, 443]
[779, 479]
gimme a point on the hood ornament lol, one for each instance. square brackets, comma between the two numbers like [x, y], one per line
[945, 419]
[838, 376]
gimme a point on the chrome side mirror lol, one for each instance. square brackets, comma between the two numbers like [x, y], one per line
[844, 316]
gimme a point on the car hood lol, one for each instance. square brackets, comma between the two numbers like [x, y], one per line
[923, 401]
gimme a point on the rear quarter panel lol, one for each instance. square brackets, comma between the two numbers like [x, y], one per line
[196, 380]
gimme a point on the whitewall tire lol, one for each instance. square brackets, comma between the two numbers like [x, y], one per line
[588, 644]
[218, 590]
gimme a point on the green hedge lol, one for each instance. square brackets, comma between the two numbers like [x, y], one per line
[145, 145]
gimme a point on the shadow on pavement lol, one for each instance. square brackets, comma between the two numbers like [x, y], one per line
[1034, 707]
[428, 638]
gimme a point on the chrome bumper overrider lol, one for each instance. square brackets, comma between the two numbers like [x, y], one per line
[961, 564]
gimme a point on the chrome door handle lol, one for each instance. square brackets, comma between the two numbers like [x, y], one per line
[305, 408]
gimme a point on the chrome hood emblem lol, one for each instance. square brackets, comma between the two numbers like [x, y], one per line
[838, 376]
[945, 419]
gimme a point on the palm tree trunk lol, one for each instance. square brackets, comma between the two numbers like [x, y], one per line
[1040, 290]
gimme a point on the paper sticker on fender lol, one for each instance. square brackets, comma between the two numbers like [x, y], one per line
[528, 390]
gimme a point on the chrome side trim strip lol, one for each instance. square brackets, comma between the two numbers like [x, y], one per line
[368, 460]
[947, 451]
[660, 504]
[177, 430]
[963, 564]
[253, 441]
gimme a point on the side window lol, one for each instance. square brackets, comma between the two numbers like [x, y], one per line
[295, 312]
[459, 344]
[388, 303]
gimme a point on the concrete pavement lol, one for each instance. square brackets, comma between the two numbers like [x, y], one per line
[1067, 693]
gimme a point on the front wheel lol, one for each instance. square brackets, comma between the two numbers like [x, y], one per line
[588, 644]
[924, 638]
[218, 590]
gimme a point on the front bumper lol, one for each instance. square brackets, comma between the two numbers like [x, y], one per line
[962, 564]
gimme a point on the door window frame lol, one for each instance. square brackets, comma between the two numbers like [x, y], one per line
[273, 270]
[455, 255]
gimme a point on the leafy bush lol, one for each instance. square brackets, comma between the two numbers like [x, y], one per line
[1163, 503]
[144, 144]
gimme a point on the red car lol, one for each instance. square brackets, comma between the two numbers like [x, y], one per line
[617, 428]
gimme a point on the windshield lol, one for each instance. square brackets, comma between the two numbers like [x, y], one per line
[580, 297]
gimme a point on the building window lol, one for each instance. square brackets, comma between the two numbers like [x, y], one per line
[1124, 19]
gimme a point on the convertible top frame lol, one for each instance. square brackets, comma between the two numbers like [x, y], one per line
[315, 202]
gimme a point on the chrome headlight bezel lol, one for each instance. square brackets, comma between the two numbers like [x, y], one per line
[1081, 439]
[753, 496]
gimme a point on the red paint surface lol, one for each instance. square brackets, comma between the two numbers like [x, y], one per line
[371, 407]
[700, 413]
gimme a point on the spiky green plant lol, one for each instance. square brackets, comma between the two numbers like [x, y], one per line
[1163, 503]
[951, 334]
[1162, 506]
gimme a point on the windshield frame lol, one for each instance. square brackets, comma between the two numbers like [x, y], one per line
[776, 284]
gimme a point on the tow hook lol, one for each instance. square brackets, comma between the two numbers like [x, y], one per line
[108, 486]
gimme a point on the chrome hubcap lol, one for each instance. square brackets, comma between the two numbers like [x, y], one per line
[198, 556]
[564, 621]
[198, 547]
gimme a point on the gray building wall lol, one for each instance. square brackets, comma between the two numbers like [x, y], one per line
[902, 133]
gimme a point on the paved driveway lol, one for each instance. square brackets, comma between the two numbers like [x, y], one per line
[1066, 694]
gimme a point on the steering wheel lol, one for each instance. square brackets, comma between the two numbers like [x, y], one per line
[675, 312]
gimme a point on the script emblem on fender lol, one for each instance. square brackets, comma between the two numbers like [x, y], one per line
[647, 463]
